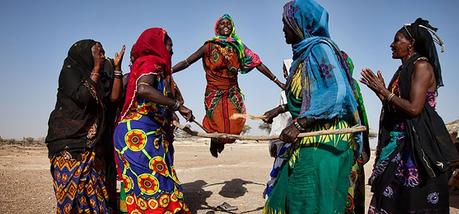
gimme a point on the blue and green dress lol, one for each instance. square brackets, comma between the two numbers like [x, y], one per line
[144, 153]
[315, 176]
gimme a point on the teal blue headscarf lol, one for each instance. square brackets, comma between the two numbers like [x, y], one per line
[326, 84]
[307, 18]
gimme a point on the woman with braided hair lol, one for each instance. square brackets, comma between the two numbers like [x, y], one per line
[414, 148]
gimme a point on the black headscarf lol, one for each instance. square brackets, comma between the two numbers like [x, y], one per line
[424, 36]
[80, 60]
[80, 56]
[79, 104]
[78, 65]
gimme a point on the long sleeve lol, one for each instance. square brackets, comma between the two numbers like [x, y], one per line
[72, 85]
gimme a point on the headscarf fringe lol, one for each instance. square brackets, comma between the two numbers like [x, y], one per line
[435, 37]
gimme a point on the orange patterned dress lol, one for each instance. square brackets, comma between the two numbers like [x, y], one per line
[223, 97]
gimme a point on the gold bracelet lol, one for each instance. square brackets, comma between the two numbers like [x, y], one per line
[389, 98]
[144, 83]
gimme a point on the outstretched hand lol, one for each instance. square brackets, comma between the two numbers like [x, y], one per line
[119, 58]
[270, 115]
[374, 82]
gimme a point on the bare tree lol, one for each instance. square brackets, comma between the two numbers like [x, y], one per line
[246, 129]
[265, 127]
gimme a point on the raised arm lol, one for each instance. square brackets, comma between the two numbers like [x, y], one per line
[83, 91]
[265, 70]
[190, 60]
[117, 88]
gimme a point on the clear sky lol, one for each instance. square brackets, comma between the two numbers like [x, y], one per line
[36, 35]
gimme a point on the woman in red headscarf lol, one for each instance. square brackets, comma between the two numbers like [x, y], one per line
[143, 137]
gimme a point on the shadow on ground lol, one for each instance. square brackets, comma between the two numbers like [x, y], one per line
[196, 196]
[234, 188]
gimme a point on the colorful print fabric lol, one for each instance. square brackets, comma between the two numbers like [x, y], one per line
[78, 186]
[223, 96]
[145, 162]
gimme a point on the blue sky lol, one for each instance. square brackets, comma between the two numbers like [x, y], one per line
[36, 36]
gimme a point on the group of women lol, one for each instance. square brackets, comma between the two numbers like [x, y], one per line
[95, 117]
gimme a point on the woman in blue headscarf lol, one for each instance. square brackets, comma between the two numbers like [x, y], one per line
[320, 95]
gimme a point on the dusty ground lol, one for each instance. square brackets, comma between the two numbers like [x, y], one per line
[237, 177]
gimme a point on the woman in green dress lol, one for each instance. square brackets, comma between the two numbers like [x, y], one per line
[320, 96]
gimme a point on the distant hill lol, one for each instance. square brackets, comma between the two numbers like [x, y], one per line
[181, 135]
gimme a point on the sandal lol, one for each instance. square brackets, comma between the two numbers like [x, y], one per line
[226, 207]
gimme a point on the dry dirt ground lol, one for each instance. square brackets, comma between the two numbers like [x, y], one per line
[237, 177]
